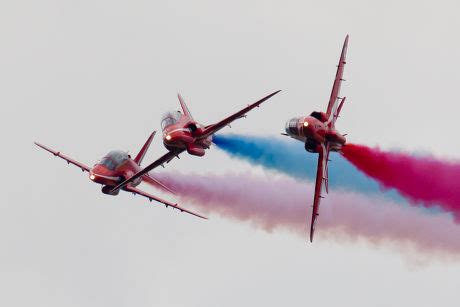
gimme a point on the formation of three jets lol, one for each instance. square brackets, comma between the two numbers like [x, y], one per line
[118, 171]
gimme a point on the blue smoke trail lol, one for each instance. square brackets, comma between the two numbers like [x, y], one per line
[289, 156]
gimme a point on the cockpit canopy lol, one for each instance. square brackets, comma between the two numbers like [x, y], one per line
[292, 126]
[170, 118]
[114, 159]
[321, 116]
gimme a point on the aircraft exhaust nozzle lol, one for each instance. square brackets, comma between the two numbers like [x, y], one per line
[336, 137]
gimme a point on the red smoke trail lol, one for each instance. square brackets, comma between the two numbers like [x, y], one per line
[420, 179]
[271, 203]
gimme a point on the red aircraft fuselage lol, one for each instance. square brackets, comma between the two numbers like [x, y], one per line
[317, 131]
[314, 131]
[180, 132]
[115, 167]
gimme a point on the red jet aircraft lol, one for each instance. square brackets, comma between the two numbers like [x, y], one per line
[182, 133]
[318, 133]
[115, 167]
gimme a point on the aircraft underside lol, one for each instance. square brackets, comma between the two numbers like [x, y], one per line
[313, 146]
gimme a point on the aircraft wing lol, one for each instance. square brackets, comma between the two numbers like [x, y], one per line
[321, 176]
[335, 99]
[69, 160]
[155, 182]
[211, 129]
[165, 202]
[163, 159]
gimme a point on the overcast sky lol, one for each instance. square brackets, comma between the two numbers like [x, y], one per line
[85, 77]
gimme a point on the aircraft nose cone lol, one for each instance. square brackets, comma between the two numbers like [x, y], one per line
[94, 174]
[100, 174]
[287, 129]
[178, 137]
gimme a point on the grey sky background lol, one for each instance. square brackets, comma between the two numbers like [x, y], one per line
[85, 77]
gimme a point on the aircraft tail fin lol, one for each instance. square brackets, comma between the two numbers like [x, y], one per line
[184, 107]
[141, 154]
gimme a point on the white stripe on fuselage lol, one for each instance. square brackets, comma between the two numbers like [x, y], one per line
[105, 177]
[175, 130]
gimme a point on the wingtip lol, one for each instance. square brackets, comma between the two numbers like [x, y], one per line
[40, 145]
[312, 230]
[152, 136]
[272, 94]
[197, 215]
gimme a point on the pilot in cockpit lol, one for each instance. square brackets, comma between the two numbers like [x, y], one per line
[170, 118]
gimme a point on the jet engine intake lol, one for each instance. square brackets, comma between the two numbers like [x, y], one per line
[311, 145]
[107, 189]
